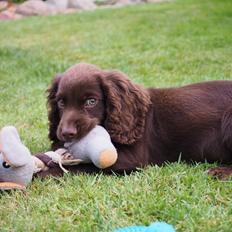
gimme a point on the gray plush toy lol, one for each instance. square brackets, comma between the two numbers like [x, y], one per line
[17, 165]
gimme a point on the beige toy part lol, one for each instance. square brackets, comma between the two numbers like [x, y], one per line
[11, 185]
[107, 158]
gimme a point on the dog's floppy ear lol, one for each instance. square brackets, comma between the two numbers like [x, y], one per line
[53, 110]
[126, 107]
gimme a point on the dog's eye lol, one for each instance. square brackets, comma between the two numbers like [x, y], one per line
[61, 104]
[90, 102]
[5, 165]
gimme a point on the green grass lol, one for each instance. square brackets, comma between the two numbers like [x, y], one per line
[161, 45]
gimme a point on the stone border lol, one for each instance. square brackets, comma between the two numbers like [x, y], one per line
[9, 11]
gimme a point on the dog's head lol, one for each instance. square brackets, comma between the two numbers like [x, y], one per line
[86, 95]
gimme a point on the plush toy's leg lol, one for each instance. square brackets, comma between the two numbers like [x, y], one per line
[11, 185]
[39, 165]
[61, 157]
[55, 170]
[49, 167]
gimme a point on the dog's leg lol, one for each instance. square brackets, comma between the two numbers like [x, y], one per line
[226, 130]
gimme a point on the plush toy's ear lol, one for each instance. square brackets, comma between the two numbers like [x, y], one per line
[13, 151]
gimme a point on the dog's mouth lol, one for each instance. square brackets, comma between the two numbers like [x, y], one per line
[80, 131]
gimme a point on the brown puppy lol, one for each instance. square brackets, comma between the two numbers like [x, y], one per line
[147, 126]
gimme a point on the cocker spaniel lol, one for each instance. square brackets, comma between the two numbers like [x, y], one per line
[146, 125]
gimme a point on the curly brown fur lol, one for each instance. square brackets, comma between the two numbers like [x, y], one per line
[53, 112]
[126, 107]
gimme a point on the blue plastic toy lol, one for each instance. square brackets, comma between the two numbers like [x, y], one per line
[154, 227]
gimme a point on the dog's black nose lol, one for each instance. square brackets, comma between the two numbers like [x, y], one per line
[68, 133]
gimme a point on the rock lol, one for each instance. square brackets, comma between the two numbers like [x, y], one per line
[6, 15]
[36, 7]
[82, 4]
[60, 4]
[3, 5]
[69, 11]
[118, 2]
[9, 15]
[127, 2]
[105, 2]
[156, 1]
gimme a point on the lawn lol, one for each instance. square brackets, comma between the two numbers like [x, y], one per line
[169, 44]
